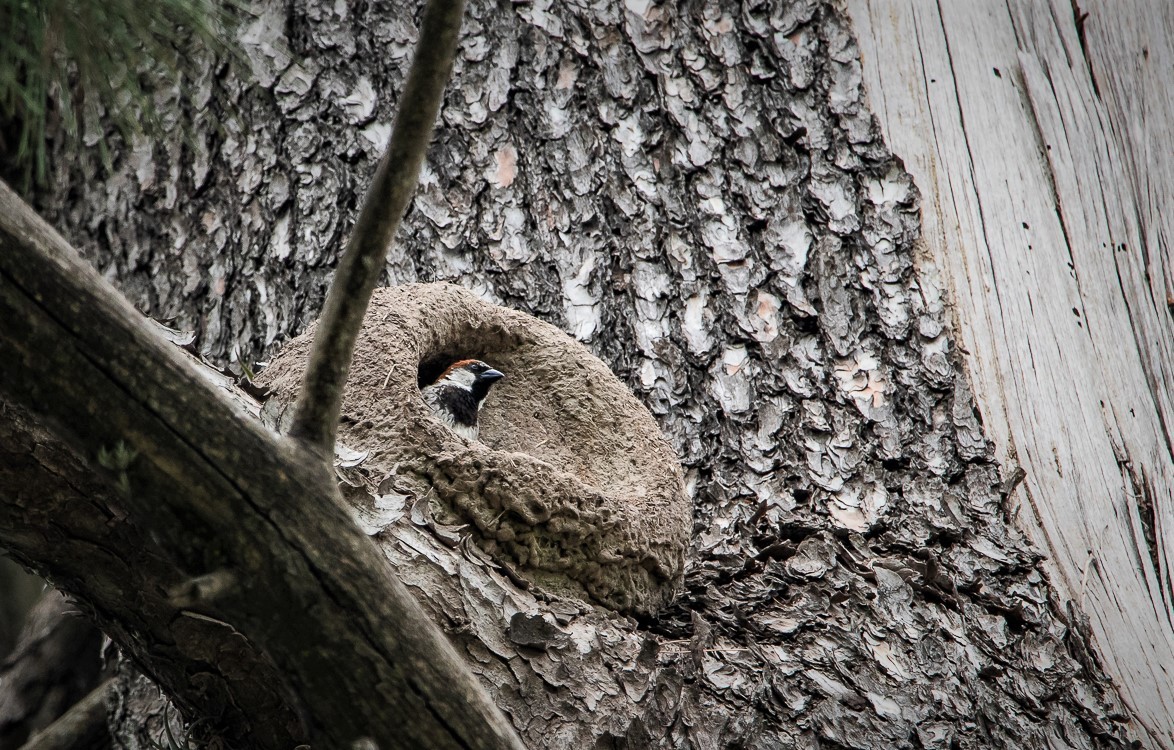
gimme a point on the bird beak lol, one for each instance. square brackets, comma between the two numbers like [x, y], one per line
[490, 376]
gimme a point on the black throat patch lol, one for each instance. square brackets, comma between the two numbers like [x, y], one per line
[481, 390]
[462, 402]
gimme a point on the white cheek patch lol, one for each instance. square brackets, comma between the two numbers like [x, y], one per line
[463, 378]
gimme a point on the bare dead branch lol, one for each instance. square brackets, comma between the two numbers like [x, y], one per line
[221, 493]
[82, 727]
[55, 664]
[316, 419]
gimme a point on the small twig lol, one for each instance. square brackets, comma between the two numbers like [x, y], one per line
[84, 725]
[315, 421]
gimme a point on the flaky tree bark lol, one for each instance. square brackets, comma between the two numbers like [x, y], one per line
[184, 465]
[701, 195]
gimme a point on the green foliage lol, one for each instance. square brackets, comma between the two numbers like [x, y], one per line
[66, 61]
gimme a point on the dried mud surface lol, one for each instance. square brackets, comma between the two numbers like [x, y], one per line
[571, 481]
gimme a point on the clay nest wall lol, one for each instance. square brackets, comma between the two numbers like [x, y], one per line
[571, 482]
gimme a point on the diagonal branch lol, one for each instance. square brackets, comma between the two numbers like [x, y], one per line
[316, 419]
[229, 501]
[82, 726]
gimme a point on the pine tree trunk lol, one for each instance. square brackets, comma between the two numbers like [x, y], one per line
[702, 196]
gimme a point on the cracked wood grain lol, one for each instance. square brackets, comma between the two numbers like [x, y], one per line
[1042, 195]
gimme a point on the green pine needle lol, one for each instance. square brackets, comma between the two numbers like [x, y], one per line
[65, 63]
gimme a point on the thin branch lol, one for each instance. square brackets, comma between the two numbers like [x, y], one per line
[218, 492]
[55, 662]
[320, 400]
[82, 727]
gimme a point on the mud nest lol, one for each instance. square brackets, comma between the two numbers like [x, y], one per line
[571, 482]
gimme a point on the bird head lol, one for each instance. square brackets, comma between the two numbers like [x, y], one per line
[459, 393]
[472, 374]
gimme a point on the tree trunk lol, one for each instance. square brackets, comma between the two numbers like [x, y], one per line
[701, 196]
[1043, 138]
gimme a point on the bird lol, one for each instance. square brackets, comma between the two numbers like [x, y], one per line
[459, 393]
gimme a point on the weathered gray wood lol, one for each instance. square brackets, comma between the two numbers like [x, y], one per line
[1129, 52]
[82, 727]
[1046, 214]
[54, 664]
[21, 591]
